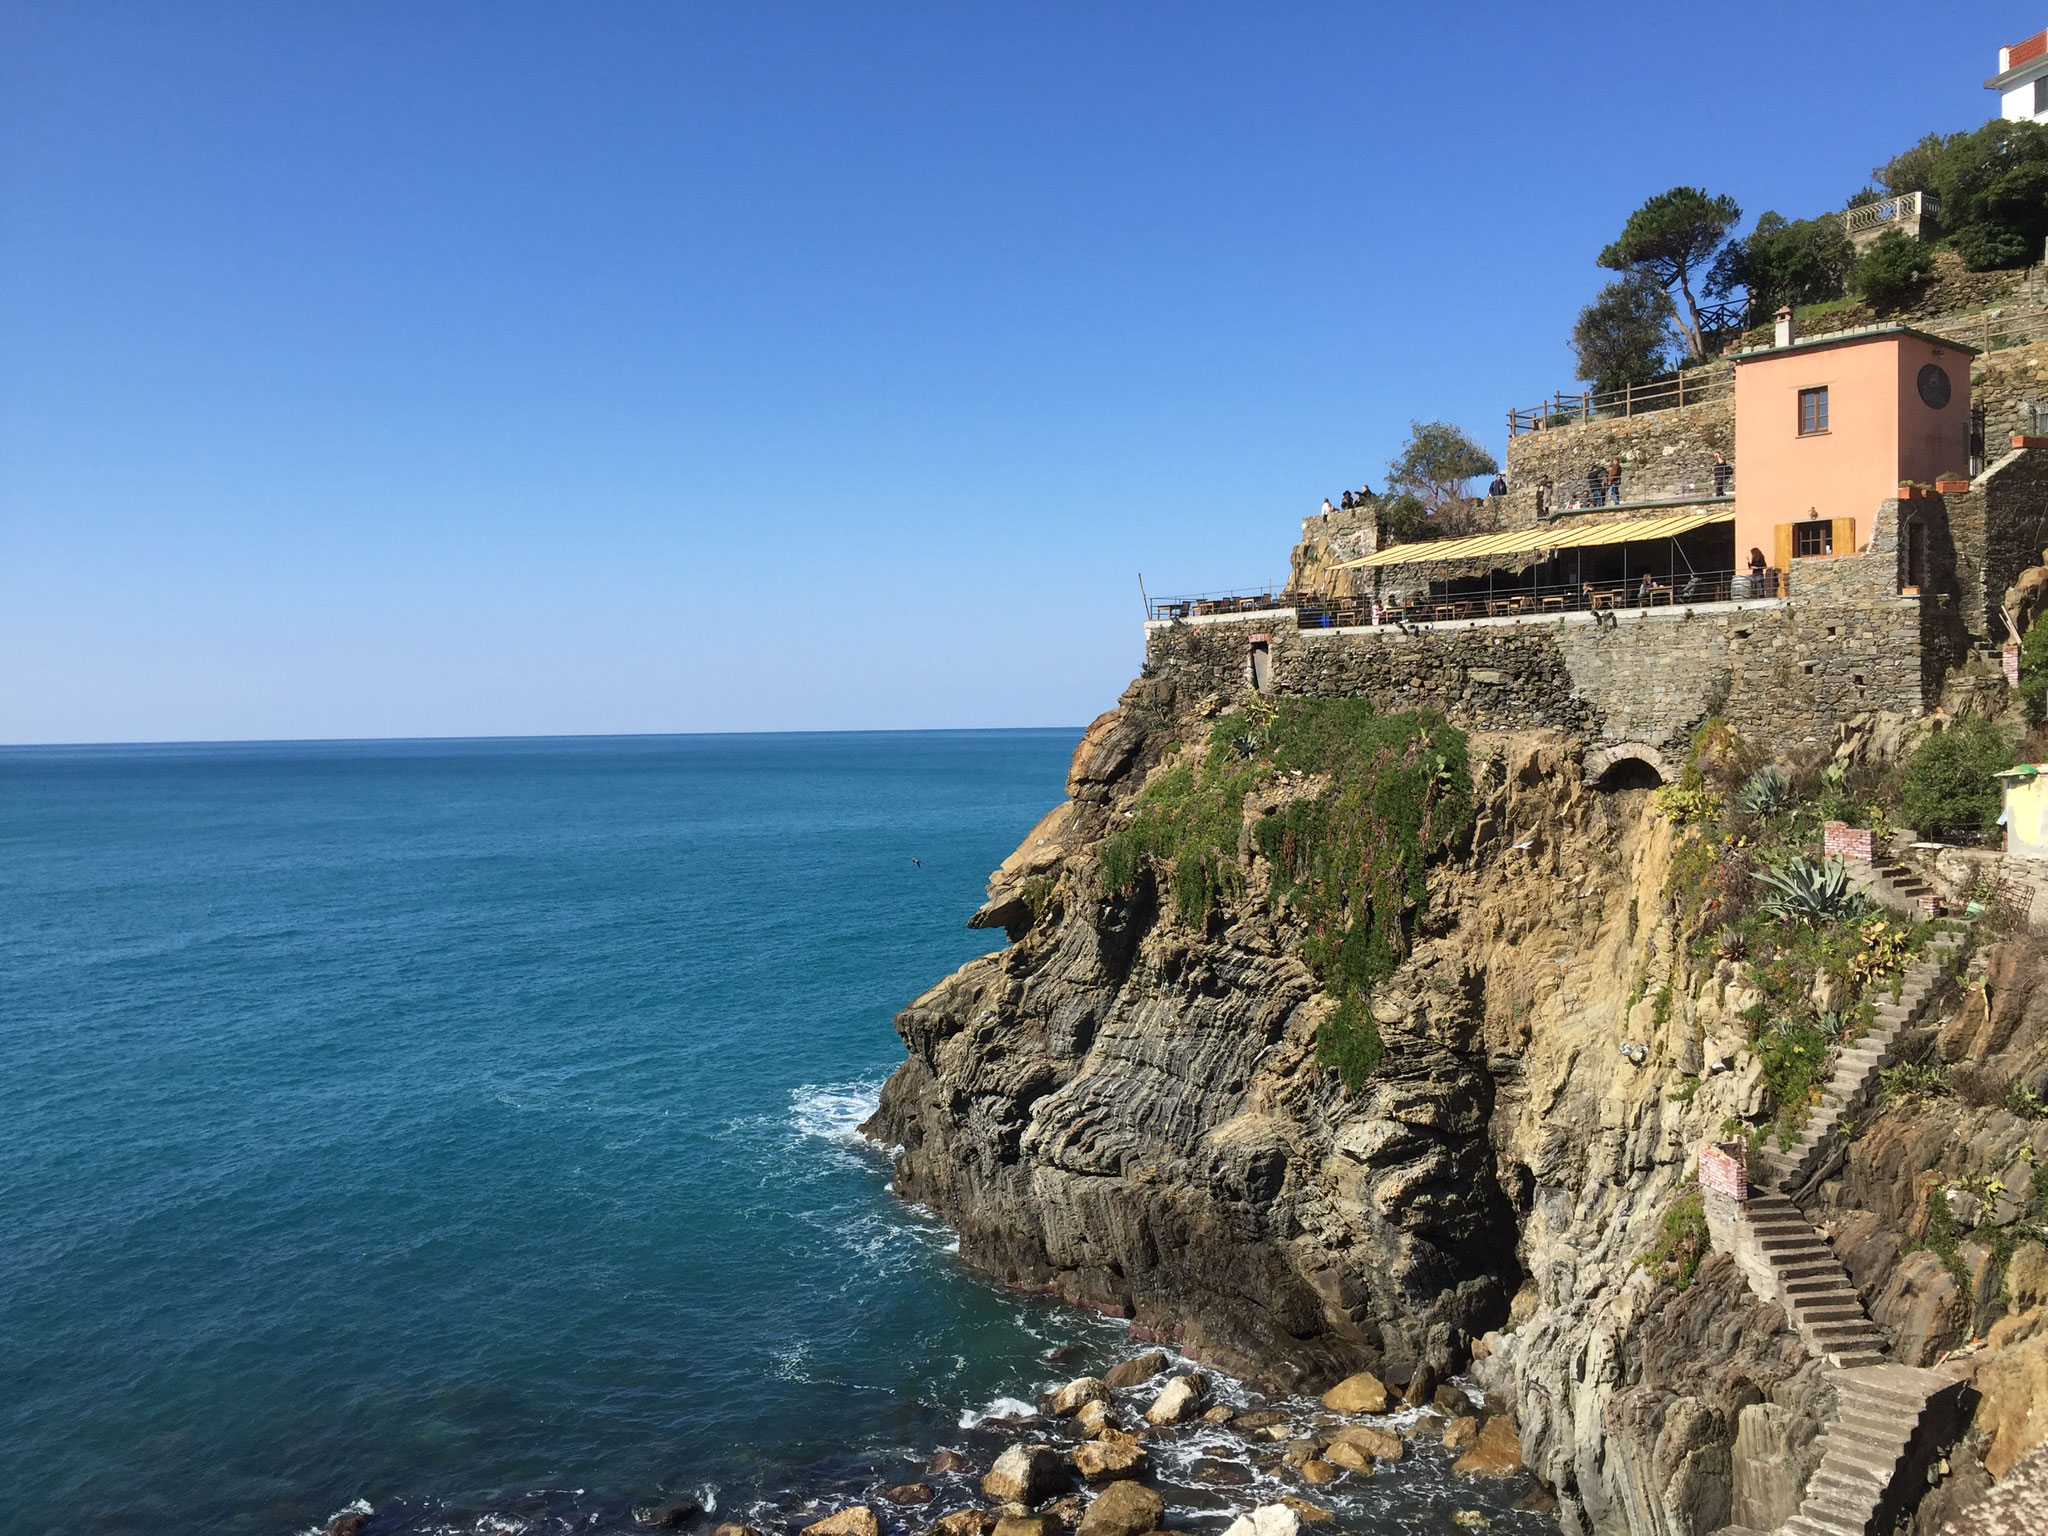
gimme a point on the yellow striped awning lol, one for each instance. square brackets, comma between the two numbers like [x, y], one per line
[1552, 536]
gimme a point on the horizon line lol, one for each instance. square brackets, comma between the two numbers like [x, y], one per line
[538, 736]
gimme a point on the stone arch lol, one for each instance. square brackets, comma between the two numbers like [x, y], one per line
[1625, 765]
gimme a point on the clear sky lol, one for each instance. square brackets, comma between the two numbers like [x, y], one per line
[445, 369]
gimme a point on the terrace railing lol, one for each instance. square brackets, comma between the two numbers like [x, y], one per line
[1902, 212]
[1689, 387]
[1202, 604]
[1317, 612]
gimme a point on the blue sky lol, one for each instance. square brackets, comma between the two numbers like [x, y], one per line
[441, 369]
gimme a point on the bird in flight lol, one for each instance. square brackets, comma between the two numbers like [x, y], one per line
[917, 861]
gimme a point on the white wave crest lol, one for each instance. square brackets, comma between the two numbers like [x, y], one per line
[834, 1112]
[1001, 1408]
[359, 1507]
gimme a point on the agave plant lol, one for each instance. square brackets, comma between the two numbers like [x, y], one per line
[1804, 890]
[1731, 943]
[1765, 793]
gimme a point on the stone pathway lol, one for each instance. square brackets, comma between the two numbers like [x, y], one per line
[1890, 884]
[1880, 1411]
[1811, 1284]
[1856, 1071]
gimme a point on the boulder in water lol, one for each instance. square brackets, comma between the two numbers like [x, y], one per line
[1310, 1514]
[1136, 1371]
[910, 1493]
[1379, 1444]
[1363, 1393]
[1460, 1433]
[1266, 1520]
[1094, 1418]
[1124, 1509]
[1025, 1474]
[1342, 1453]
[1178, 1401]
[1496, 1453]
[1102, 1461]
[857, 1521]
[966, 1522]
[1219, 1415]
[945, 1461]
[1027, 1525]
[1316, 1471]
[1071, 1397]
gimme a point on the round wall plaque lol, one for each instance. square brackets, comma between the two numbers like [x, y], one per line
[1934, 385]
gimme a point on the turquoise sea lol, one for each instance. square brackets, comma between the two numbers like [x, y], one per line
[466, 1129]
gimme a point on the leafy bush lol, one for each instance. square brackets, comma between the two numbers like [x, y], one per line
[1350, 861]
[1765, 793]
[1684, 806]
[2033, 689]
[1682, 1240]
[1806, 890]
[1892, 270]
[1794, 1055]
[1993, 186]
[1624, 336]
[1949, 787]
[1784, 261]
[1912, 1080]
[2022, 1101]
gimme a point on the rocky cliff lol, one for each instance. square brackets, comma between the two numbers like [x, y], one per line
[1137, 1104]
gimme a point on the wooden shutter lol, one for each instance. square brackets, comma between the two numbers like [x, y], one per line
[1845, 536]
[1781, 547]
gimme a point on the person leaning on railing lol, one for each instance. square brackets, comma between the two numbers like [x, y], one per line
[1723, 473]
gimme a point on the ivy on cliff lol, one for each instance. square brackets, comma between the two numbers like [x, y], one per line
[1350, 860]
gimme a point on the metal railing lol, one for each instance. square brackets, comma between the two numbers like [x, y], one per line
[1682, 590]
[1202, 604]
[1906, 210]
[1579, 494]
[1688, 387]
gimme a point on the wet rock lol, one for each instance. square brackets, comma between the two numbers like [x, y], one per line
[1071, 1397]
[1124, 1509]
[660, 1516]
[966, 1522]
[1316, 1471]
[733, 1528]
[910, 1493]
[1342, 1453]
[857, 1521]
[1178, 1401]
[1460, 1433]
[1266, 1520]
[1136, 1371]
[1219, 1415]
[1219, 1474]
[1303, 1450]
[1260, 1418]
[1066, 1511]
[1027, 1525]
[1362, 1393]
[1102, 1460]
[1471, 1520]
[1421, 1386]
[1024, 1474]
[1496, 1453]
[1379, 1444]
[1310, 1514]
[1095, 1417]
[946, 1461]
[350, 1524]
[1451, 1403]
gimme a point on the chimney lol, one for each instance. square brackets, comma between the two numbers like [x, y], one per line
[1784, 319]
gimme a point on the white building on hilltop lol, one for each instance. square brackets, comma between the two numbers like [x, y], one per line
[2022, 81]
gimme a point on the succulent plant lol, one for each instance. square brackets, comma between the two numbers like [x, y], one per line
[1731, 943]
[1765, 793]
[1805, 890]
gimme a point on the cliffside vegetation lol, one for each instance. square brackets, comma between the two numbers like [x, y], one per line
[1359, 803]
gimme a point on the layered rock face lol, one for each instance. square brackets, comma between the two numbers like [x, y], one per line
[1128, 1110]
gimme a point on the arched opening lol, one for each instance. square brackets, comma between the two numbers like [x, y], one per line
[1629, 773]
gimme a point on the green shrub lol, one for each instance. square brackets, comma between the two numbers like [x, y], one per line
[2033, 689]
[1682, 1240]
[1781, 261]
[1912, 1080]
[1892, 271]
[1993, 186]
[1949, 787]
[1765, 793]
[1350, 861]
[1806, 890]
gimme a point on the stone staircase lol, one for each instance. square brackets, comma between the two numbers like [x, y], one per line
[1856, 1069]
[1890, 1420]
[1891, 884]
[1810, 1283]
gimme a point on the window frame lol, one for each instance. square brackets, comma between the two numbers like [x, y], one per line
[1815, 530]
[1817, 396]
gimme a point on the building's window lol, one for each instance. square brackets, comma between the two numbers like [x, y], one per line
[1813, 411]
[1813, 538]
[2041, 95]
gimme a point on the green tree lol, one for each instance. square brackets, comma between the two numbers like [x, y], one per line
[1670, 238]
[1993, 186]
[1624, 336]
[1785, 261]
[1436, 467]
[2033, 689]
[1949, 785]
[1891, 270]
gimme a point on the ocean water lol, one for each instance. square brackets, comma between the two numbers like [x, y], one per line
[467, 1129]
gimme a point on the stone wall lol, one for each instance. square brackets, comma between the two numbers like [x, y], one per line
[1661, 452]
[1785, 670]
[2014, 492]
